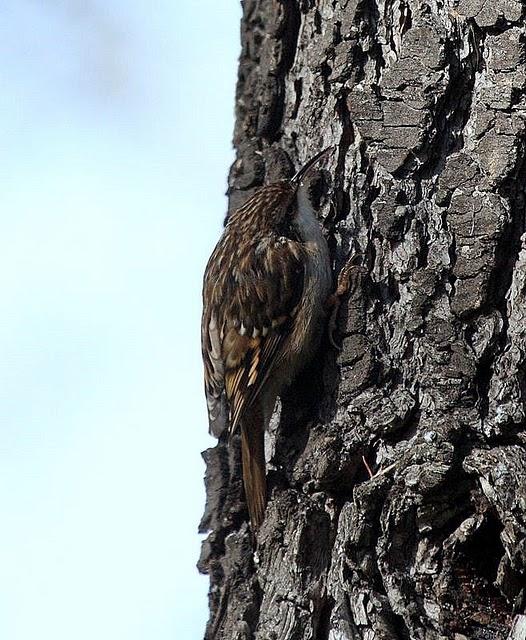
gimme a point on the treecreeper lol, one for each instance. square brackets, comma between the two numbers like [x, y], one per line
[266, 298]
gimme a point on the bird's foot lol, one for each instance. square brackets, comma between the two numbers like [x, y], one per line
[348, 280]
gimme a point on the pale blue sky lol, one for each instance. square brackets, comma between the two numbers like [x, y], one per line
[115, 125]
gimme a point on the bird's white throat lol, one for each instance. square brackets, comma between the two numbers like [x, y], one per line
[306, 222]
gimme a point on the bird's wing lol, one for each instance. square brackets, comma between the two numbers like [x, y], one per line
[250, 301]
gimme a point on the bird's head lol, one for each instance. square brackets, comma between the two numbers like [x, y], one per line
[280, 203]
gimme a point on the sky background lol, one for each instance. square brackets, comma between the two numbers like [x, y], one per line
[116, 120]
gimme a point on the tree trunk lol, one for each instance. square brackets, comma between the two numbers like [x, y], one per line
[426, 103]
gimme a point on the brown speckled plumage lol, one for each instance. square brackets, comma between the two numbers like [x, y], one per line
[263, 294]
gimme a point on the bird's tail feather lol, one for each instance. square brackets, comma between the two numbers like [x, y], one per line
[253, 458]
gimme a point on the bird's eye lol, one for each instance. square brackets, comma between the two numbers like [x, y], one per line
[290, 210]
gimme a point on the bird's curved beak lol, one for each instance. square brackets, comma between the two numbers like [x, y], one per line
[304, 171]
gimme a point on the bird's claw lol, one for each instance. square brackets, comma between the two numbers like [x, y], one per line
[348, 280]
[350, 275]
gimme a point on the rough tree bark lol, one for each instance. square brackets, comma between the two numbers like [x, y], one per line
[425, 101]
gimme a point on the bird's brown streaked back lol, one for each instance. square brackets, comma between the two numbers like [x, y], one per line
[251, 291]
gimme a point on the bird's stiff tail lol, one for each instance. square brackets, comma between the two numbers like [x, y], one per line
[253, 458]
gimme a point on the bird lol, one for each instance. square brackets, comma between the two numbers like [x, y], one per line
[266, 288]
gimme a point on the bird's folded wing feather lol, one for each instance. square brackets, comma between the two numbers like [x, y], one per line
[251, 297]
